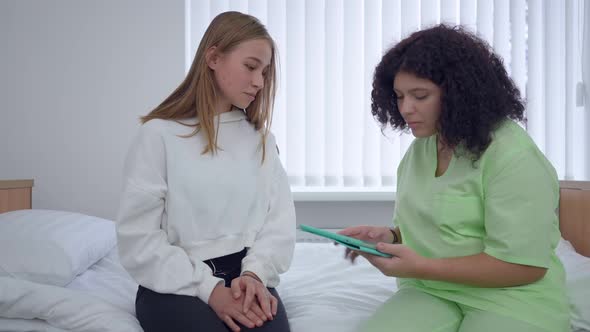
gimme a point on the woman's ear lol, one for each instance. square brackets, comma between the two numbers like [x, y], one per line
[212, 57]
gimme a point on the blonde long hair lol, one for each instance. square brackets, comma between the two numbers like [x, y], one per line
[196, 95]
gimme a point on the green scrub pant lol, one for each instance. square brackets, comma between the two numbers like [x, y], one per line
[411, 310]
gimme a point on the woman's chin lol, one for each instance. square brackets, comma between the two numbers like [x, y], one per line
[242, 105]
[421, 133]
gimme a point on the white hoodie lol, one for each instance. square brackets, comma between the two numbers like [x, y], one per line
[180, 207]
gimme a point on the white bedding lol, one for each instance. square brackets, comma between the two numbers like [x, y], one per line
[105, 292]
[26, 325]
[63, 308]
[324, 292]
[108, 281]
[100, 299]
[321, 292]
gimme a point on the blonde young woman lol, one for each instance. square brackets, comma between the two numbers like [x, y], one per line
[207, 222]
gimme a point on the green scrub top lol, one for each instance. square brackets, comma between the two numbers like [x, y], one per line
[504, 205]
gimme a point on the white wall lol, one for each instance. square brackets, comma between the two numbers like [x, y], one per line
[74, 78]
[342, 214]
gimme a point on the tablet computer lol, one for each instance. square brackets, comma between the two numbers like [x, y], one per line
[344, 240]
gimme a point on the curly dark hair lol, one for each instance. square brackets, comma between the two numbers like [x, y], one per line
[477, 93]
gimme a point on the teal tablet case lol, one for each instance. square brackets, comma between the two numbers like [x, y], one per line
[347, 241]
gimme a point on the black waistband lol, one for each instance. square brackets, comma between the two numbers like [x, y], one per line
[227, 267]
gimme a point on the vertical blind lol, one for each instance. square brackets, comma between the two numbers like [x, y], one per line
[328, 50]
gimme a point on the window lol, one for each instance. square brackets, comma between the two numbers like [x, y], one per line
[329, 48]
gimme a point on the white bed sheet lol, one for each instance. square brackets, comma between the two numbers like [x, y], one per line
[321, 291]
[109, 281]
[105, 286]
[61, 307]
[26, 325]
[324, 292]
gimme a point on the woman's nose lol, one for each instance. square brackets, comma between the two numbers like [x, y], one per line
[404, 106]
[258, 81]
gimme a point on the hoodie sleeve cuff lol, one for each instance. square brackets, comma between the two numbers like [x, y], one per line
[206, 288]
[258, 270]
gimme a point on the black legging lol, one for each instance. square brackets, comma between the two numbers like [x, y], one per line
[180, 313]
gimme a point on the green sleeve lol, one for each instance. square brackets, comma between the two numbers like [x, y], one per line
[521, 194]
[399, 180]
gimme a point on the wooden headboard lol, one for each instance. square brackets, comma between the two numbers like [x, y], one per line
[15, 195]
[574, 214]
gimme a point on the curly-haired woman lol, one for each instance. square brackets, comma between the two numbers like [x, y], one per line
[475, 211]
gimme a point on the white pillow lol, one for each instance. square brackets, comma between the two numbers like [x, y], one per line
[577, 269]
[52, 247]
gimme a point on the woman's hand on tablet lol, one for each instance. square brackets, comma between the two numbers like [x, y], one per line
[405, 263]
[366, 233]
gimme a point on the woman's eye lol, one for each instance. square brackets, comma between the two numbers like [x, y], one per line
[250, 67]
[421, 97]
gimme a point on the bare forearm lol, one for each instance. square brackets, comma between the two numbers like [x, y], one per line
[479, 270]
